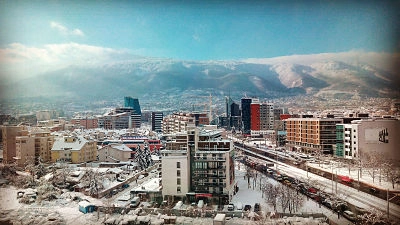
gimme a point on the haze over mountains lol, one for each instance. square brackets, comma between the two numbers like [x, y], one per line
[334, 74]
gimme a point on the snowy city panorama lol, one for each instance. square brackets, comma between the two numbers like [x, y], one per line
[180, 168]
[219, 112]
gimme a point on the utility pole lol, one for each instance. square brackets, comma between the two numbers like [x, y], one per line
[387, 199]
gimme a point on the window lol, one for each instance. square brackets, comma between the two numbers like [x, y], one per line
[178, 173]
[178, 181]
[178, 189]
[178, 164]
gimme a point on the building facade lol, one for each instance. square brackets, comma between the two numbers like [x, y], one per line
[115, 153]
[73, 149]
[136, 113]
[85, 122]
[9, 134]
[312, 134]
[367, 137]
[179, 121]
[207, 158]
[156, 121]
[246, 115]
[262, 118]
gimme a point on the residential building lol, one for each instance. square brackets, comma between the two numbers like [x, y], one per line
[34, 146]
[203, 166]
[86, 122]
[74, 149]
[115, 153]
[9, 134]
[312, 134]
[156, 121]
[179, 121]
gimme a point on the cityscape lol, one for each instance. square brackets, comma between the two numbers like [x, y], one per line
[199, 112]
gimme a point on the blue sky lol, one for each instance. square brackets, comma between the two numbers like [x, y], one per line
[205, 30]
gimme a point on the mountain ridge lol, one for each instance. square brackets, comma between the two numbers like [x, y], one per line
[141, 76]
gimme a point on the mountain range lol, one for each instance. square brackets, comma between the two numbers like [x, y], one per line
[253, 76]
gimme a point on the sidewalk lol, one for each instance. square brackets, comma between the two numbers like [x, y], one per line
[248, 195]
[366, 178]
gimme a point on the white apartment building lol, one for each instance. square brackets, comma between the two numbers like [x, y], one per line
[115, 153]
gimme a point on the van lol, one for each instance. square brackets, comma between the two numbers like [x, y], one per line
[135, 202]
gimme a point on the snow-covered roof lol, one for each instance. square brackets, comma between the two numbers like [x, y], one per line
[84, 204]
[121, 147]
[115, 170]
[69, 143]
[152, 185]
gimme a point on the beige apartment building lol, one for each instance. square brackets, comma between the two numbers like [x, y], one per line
[37, 144]
[9, 134]
[74, 149]
[312, 134]
[178, 122]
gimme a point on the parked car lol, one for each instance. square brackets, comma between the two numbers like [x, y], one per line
[231, 207]
[247, 207]
[374, 190]
[256, 207]
[349, 215]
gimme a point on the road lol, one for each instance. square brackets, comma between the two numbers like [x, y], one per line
[353, 196]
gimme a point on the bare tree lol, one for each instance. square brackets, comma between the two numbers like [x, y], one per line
[60, 176]
[93, 180]
[372, 162]
[373, 216]
[271, 194]
[391, 172]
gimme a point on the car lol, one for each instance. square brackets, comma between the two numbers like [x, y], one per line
[256, 207]
[239, 206]
[231, 207]
[374, 190]
[247, 207]
[349, 215]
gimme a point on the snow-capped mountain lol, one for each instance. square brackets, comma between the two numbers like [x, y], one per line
[278, 77]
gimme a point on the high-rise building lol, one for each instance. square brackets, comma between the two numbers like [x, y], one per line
[199, 164]
[133, 103]
[233, 117]
[262, 118]
[246, 115]
[156, 121]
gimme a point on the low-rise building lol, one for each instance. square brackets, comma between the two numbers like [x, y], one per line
[74, 149]
[115, 153]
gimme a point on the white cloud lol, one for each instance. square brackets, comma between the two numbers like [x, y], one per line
[383, 60]
[65, 31]
[19, 61]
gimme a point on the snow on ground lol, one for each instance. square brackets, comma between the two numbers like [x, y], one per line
[8, 198]
[365, 178]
